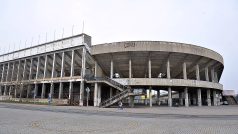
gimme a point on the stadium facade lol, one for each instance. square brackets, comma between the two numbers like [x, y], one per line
[72, 71]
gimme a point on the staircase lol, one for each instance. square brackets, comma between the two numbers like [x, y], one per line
[125, 90]
[231, 100]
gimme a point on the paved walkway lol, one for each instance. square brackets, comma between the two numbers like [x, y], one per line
[41, 119]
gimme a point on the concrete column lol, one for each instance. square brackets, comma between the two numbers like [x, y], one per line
[53, 66]
[206, 74]
[35, 90]
[99, 95]
[15, 91]
[214, 98]
[13, 70]
[18, 70]
[130, 69]
[184, 71]
[181, 98]
[52, 89]
[131, 101]
[186, 97]
[0, 90]
[43, 91]
[28, 91]
[150, 96]
[30, 68]
[72, 65]
[158, 97]
[199, 97]
[149, 68]
[37, 67]
[212, 74]
[10, 90]
[95, 97]
[208, 97]
[197, 72]
[70, 90]
[168, 69]
[21, 89]
[8, 68]
[3, 69]
[45, 66]
[81, 95]
[5, 90]
[111, 70]
[60, 90]
[24, 70]
[169, 97]
[62, 65]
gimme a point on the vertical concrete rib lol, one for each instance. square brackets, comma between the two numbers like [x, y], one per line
[197, 72]
[52, 76]
[169, 97]
[199, 97]
[111, 70]
[37, 67]
[81, 95]
[3, 69]
[214, 98]
[71, 75]
[184, 71]
[212, 75]
[130, 69]
[95, 98]
[206, 73]
[149, 68]
[30, 69]
[150, 95]
[43, 85]
[208, 97]
[186, 96]
[8, 67]
[13, 70]
[61, 75]
[168, 69]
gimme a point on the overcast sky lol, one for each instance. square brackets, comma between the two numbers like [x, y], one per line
[210, 23]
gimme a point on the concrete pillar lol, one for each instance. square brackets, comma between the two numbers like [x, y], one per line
[62, 65]
[131, 103]
[208, 97]
[70, 89]
[99, 95]
[149, 68]
[60, 90]
[212, 74]
[13, 70]
[15, 91]
[181, 98]
[150, 96]
[37, 67]
[72, 65]
[168, 69]
[95, 97]
[52, 89]
[199, 97]
[215, 77]
[43, 91]
[10, 90]
[45, 66]
[18, 70]
[21, 89]
[169, 97]
[184, 71]
[206, 74]
[0, 90]
[130, 69]
[35, 91]
[5, 90]
[197, 72]
[30, 71]
[186, 97]
[24, 70]
[81, 95]
[8, 68]
[28, 91]
[111, 70]
[158, 97]
[214, 98]
[3, 69]
[53, 66]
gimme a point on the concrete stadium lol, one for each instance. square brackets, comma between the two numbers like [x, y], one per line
[72, 71]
